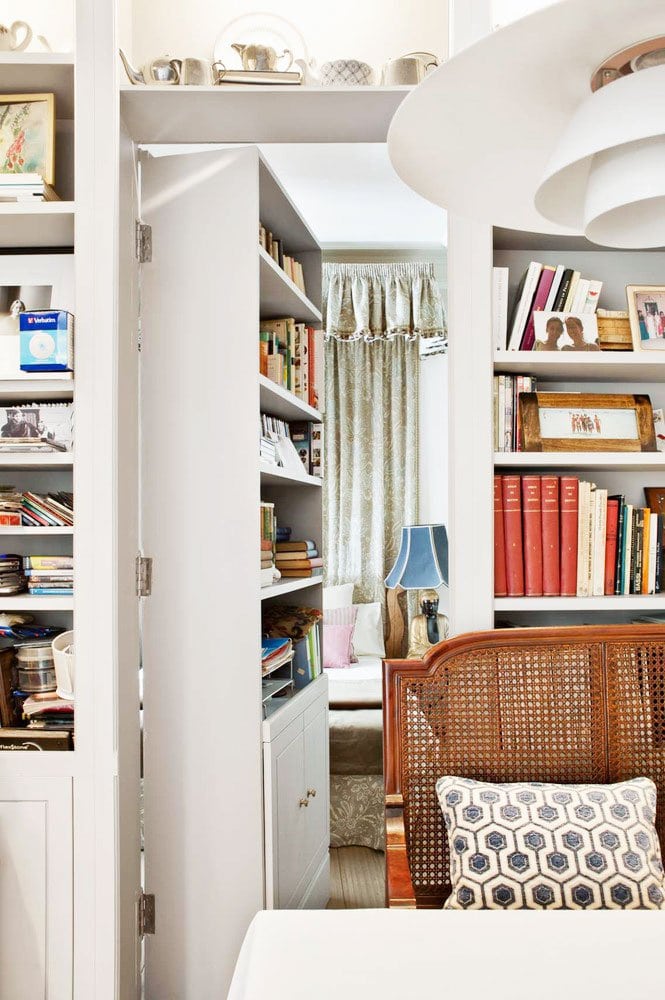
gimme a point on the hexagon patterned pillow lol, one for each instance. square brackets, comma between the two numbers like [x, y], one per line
[536, 846]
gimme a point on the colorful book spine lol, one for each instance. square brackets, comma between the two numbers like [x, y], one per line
[569, 506]
[550, 534]
[539, 302]
[500, 585]
[611, 544]
[533, 536]
[512, 524]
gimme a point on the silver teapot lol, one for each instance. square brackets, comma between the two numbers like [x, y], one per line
[163, 70]
[261, 58]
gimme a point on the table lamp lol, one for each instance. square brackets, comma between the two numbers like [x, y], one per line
[422, 564]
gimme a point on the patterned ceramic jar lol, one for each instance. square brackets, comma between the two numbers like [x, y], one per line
[346, 73]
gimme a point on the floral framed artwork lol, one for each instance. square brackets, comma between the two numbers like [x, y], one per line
[27, 135]
[580, 421]
[646, 309]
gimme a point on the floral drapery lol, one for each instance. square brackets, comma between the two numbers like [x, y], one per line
[382, 301]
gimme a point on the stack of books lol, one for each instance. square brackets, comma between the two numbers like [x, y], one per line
[267, 526]
[561, 536]
[544, 287]
[50, 575]
[291, 355]
[506, 393]
[291, 266]
[275, 653]
[49, 712]
[52, 510]
[11, 505]
[25, 188]
[298, 558]
[12, 579]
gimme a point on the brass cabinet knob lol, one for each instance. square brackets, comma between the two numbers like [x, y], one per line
[312, 792]
[303, 802]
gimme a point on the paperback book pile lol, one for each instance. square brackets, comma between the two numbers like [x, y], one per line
[11, 505]
[289, 265]
[561, 536]
[36, 427]
[49, 712]
[275, 653]
[507, 430]
[301, 626]
[52, 510]
[291, 355]
[267, 526]
[544, 287]
[298, 558]
[308, 441]
[52, 575]
[25, 188]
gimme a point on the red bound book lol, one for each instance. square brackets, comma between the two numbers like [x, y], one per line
[500, 587]
[532, 513]
[540, 299]
[512, 527]
[569, 505]
[551, 542]
[611, 545]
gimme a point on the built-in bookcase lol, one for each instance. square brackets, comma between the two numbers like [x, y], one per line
[612, 372]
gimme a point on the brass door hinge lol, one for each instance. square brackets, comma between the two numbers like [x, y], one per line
[143, 576]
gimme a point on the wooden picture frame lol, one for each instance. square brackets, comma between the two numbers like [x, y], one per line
[655, 499]
[581, 421]
[27, 135]
[646, 310]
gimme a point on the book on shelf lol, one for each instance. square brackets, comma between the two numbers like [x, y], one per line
[274, 246]
[307, 662]
[267, 542]
[542, 288]
[291, 355]
[605, 545]
[25, 188]
[275, 653]
[505, 397]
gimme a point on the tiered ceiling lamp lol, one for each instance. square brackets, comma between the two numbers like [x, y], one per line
[553, 124]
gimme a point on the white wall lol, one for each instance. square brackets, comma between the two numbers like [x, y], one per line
[373, 30]
[52, 18]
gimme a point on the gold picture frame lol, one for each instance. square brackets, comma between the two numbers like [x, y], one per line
[646, 310]
[27, 135]
[582, 421]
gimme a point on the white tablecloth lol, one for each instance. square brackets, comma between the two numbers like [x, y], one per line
[402, 955]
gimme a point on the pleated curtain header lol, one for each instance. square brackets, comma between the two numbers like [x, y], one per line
[381, 301]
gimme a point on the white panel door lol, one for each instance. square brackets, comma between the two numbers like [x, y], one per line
[36, 889]
[290, 813]
[317, 780]
[200, 517]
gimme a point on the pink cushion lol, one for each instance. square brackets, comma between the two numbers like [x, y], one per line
[338, 625]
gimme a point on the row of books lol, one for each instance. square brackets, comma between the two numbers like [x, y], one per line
[290, 444]
[291, 356]
[50, 510]
[274, 246]
[298, 558]
[506, 393]
[25, 188]
[544, 287]
[561, 536]
[308, 441]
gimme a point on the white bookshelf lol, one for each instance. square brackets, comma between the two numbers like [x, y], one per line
[40, 72]
[279, 402]
[37, 460]
[51, 387]
[637, 603]
[273, 475]
[42, 224]
[37, 602]
[625, 461]
[280, 296]
[608, 366]
[27, 532]
[155, 114]
[289, 586]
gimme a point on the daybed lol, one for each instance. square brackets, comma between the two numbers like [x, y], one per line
[568, 705]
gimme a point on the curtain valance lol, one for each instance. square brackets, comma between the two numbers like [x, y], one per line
[381, 301]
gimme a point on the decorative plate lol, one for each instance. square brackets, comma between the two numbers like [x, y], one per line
[258, 29]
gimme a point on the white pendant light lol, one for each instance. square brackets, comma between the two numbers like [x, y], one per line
[509, 131]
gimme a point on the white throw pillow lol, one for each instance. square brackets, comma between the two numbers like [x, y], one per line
[368, 634]
[340, 596]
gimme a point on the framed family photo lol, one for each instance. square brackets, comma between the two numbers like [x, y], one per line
[579, 421]
[646, 309]
[27, 135]
[557, 331]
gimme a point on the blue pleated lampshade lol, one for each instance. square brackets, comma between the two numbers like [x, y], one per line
[422, 562]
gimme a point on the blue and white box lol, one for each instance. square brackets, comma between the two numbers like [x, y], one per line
[46, 340]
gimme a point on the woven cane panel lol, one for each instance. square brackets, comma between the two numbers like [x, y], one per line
[502, 714]
[636, 710]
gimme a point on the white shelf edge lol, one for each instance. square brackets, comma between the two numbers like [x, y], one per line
[580, 459]
[289, 399]
[36, 602]
[634, 365]
[9, 529]
[37, 207]
[620, 602]
[290, 585]
[35, 460]
[278, 475]
[313, 313]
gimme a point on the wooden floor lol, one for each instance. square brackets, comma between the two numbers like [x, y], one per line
[357, 878]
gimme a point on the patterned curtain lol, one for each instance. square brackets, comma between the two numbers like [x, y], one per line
[374, 315]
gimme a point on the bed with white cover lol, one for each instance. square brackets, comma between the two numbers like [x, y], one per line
[394, 955]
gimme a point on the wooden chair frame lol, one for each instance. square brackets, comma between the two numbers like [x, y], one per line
[616, 757]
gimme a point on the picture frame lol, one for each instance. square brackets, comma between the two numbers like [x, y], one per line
[655, 499]
[27, 135]
[561, 331]
[580, 421]
[646, 311]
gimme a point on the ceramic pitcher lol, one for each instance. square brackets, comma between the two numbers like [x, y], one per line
[9, 37]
